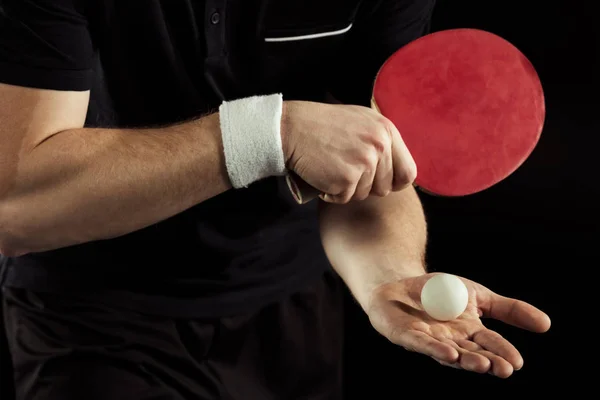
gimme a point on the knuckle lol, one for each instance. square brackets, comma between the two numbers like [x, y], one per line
[381, 140]
[380, 192]
[405, 177]
[362, 195]
[411, 173]
[387, 123]
[346, 180]
[366, 161]
[370, 169]
[401, 183]
[387, 126]
[378, 137]
[344, 198]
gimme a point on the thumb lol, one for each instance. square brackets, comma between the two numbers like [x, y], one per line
[515, 312]
[404, 165]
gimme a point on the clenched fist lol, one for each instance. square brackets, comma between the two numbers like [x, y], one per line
[346, 152]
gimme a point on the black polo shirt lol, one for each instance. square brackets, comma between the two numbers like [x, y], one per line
[154, 62]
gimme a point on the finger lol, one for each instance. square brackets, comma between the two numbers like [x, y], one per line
[475, 362]
[471, 360]
[498, 365]
[451, 365]
[384, 176]
[468, 345]
[363, 189]
[495, 343]
[341, 198]
[422, 343]
[515, 312]
[403, 164]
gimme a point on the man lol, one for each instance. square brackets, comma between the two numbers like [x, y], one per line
[153, 250]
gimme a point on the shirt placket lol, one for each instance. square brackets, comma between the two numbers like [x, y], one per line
[216, 65]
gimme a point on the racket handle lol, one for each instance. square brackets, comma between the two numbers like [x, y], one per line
[301, 191]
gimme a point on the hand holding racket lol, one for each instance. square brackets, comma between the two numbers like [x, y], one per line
[468, 105]
[348, 152]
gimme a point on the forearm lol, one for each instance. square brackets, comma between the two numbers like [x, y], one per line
[375, 241]
[81, 185]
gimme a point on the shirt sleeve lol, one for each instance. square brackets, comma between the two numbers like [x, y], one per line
[45, 44]
[381, 27]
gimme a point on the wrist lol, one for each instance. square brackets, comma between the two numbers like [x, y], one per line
[286, 128]
[388, 276]
[386, 273]
[365, 276]
[252, 140]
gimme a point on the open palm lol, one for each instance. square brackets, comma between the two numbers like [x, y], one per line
[396, 312]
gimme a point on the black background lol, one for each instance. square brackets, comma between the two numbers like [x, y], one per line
[531, 237]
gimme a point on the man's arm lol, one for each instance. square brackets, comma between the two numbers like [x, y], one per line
[61, 184]
[375, 241]
[379, 239]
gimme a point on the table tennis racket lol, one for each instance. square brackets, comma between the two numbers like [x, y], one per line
[469, 105]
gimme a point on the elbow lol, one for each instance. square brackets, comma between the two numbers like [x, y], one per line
[11, 243]
[9, 251]
[8, 245]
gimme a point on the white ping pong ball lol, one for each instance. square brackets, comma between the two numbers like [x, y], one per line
[444, 297]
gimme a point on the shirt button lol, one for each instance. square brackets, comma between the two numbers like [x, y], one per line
[215, 18]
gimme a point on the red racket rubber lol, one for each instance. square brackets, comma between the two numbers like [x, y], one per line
[469, 106]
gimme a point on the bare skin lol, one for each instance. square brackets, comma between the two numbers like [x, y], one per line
[378, 247]
[62, 184]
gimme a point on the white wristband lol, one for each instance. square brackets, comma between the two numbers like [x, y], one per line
[251, 131]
